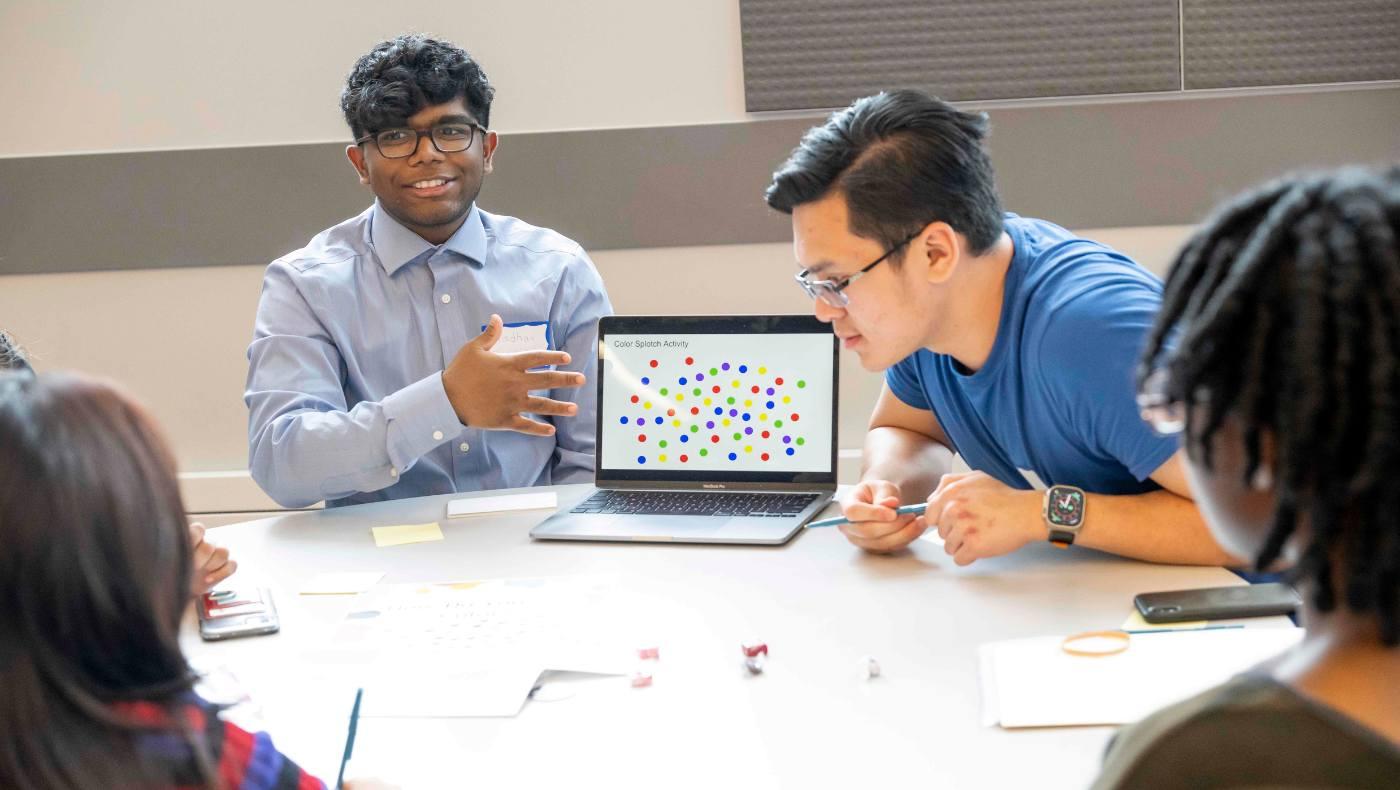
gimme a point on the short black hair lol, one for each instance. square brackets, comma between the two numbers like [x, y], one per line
[12, 356]
[401, 76]
[902, 159]
[1284, 310]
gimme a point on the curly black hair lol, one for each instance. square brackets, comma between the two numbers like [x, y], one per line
[401, 76]
[1284, 310]
[12, 356]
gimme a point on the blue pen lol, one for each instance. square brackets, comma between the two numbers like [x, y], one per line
[1182, 630]
[349, 739]
[903, 510]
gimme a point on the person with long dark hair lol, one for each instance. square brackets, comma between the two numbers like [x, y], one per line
[1277, 354]
[95, 578]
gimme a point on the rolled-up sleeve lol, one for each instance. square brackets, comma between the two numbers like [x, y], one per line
[304, 444]
[582, 300]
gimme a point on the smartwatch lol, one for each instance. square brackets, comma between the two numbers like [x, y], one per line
[1064, 513]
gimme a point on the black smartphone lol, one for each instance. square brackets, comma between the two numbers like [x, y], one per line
[224, 614]
[1218, 603]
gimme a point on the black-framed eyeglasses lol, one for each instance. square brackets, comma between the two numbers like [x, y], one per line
[833, 291]
[448, 138]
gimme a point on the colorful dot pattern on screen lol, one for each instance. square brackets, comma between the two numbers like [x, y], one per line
[672, 375]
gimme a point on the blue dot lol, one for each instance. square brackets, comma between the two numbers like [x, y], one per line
[725, 366]
[641, 459]
[683, 383]
[732, 456]
[769, 404]
[646, 380]
[743, 368]
[699, 376]
[748, 431]
[685, 438]
[718, 410]
[790, 451]
[624, 420]
[710, 424]
[733, 412]
[659, 420]
[770, 389]
[746, 416]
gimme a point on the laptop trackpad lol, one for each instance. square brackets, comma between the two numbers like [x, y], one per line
[675, 527]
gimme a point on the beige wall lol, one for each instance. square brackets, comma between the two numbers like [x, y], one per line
[160, 74]
[176, 338]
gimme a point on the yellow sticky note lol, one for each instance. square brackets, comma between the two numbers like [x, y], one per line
[406, 533]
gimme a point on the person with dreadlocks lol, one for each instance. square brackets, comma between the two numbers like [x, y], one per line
[1277, 353]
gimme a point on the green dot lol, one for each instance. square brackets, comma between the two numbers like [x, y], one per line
[663, 390]
[714, 372]
[777, 423]
[663, 442]
[801, 384]
[703, 451]
[696, 391]
[695, 429]
[801, 441]
[731, 401]
[737, 435]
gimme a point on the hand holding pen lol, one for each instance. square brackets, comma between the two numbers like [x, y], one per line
[874, 520]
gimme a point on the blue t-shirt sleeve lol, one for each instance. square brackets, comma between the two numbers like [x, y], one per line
[905, 380]
[1088, 351]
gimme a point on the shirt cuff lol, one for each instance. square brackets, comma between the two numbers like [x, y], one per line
[418, 418]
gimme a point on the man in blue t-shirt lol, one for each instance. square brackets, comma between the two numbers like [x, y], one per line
[1005, 339]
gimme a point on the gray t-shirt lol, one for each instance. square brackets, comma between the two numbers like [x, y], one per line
[1252, 732]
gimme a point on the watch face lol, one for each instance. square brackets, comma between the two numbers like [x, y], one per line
[1066, 507]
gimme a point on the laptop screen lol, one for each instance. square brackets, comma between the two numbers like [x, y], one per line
[743, 399]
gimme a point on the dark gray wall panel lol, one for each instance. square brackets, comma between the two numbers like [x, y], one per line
[801, 54]
[1088, 165]
[1234, 43]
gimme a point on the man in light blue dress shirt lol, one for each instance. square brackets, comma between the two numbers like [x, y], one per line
[424, 346]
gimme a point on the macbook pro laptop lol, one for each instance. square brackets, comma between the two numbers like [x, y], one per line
[710, 430]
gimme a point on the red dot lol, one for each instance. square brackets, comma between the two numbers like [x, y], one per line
[794, 416]
[764, 456]
[683, 457]
[714, 439]
[670, 412]
[635, 399]
[765, 434]
[755, 389]
[694, 409]
[778, 381]
[653, 363]
[689, 361]
[641, 437]
[714, 389]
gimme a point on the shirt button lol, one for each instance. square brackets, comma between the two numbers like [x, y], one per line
[464, 447]
[437, 436]
[447, 298]
[393, 472]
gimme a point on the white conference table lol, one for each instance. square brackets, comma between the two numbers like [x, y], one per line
[810, 720]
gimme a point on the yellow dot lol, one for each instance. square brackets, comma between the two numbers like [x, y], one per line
[748, 403]
[676, 423]
[787, 399]
[646, 405]
[761, 371]
[747, 449]
[707, 401]
[735, 384]
[661, 458]
[680, 397]
[763, 417]
[726, 421]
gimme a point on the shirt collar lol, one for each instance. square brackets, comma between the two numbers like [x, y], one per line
[396, 245]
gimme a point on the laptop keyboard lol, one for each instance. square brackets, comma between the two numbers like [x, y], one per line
[696, 503]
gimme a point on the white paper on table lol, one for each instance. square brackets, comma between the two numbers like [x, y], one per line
[1034, 683]
[440, 690]
[341, 583]
[498, 504]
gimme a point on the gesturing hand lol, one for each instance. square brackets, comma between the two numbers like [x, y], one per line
[492, 391]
